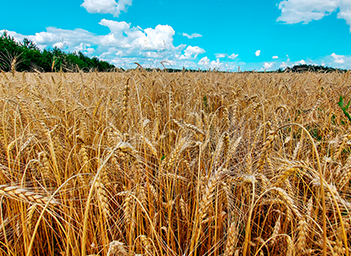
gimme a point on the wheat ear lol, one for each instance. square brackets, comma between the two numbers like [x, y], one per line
[117, 248]
[232, 239]
[24, 194]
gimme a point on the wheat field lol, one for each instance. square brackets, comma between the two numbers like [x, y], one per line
[156, 163]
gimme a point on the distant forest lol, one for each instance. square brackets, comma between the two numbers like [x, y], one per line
[26, 56]
[311, 68]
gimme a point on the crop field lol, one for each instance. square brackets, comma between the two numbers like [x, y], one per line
[156, 163]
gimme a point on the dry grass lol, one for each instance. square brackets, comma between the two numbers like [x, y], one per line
[174, 164]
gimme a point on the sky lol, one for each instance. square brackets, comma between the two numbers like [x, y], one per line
[228, 35]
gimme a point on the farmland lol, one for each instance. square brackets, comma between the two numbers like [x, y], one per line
[155, 163]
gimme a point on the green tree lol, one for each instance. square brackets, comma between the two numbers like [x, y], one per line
[26, 56]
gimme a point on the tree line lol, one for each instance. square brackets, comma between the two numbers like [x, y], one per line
[311, 68]
[26, 56]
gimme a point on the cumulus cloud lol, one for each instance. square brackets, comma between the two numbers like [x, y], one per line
[275, 57]
[59, 45]
[338, 58]
[268, 65]
[257, 53]
[295, 11]
[57, 37]
[300, 62]
[194, 35]
[191, 52]
[135, 39]
[122, 46]
[345, 13]
[215, 64]
[106, 6]
[204, 61]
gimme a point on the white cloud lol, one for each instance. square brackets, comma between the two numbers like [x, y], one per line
[268, 65]
[57, 37]
[191, 52]
[59, 45]
[257, 53]
[106, 6]
[221, 55]
[224, 55]
[284, 65]
[233, 56]
[301, 62]
[295, 11]
[122, 46]
[194, 35]
[99, 6]
[155, 55]
[85, 48]
[129, 38]
[338, 58]
[345, 12]
[204, 61]
[216, 64]
[275, 57]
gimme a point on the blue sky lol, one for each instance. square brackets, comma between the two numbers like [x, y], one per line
[223, 34]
